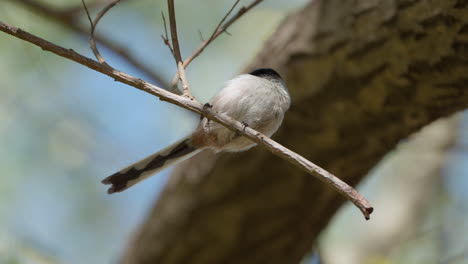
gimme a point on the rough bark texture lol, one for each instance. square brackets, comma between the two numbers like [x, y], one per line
[363, 75]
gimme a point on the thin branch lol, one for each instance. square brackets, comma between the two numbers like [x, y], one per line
[88, 15]
[183, 79]
[222, 21]
[194, 106]
[173, 27]
[92, 42]
[165, 37]
[63, 18]
[200, 34]
[104, 11]
[220, 29]
[176, 49]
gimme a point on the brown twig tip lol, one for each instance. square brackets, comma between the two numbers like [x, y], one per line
[365, 207]
[368, 212]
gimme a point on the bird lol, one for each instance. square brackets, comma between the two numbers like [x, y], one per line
[258, 99]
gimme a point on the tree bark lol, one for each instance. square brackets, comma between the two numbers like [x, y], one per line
[363, 75]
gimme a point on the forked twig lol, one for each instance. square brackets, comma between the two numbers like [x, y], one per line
[92, 41]
[220, 29]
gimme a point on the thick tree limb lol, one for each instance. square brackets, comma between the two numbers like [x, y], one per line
[363, 75]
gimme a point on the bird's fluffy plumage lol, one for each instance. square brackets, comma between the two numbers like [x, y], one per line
[258, 99]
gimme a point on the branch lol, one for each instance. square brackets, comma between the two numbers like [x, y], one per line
[176, 49]
[92, 42]
[196, 107]
[220, 29]
[165, 36]
[173, 27]
[63, 17]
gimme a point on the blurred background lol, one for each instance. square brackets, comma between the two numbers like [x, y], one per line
[64, 127]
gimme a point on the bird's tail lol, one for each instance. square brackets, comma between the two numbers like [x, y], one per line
[150, 165]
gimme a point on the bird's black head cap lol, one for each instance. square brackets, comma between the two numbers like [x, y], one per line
[266, 73]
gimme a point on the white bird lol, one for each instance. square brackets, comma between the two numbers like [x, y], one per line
[258, 99]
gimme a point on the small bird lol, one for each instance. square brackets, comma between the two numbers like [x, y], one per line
[258, 99]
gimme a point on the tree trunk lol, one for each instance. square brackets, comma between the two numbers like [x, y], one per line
[363, 75]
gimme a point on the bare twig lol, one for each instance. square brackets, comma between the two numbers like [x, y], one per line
[183, 79]
[217, 31]
[88, 15]
[165, 37]
[104, 11]
[222, 21]
[63, 17]
[173, 27]
[92, 42]
[196, 107]
[200, 34]
[176, 49]
[220, 28]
